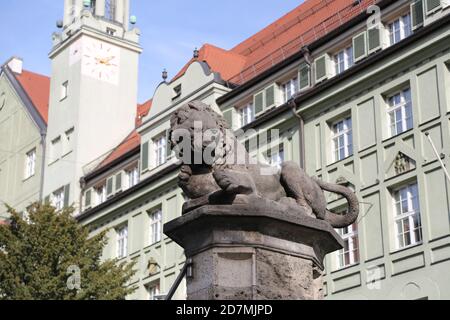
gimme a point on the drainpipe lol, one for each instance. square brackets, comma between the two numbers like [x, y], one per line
[301, 125]
[41, 192]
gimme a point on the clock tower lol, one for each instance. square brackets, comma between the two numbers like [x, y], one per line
[93, 94]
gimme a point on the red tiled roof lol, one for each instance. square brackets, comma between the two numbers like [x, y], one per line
[132, 141]
[142, 111]
[37, 87]
[225, 62]
[308, 22]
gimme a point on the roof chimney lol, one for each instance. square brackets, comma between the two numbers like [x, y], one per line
[16, 65]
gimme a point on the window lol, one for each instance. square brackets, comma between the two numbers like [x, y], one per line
[343, 60]
[400, 112]
[408, 226]
[122, 242]
[64, 90]
[110, 31]
[247, 114]
[155, 226]
[177, 91]
[58, 199]
[92, 6]
[400, 28]
[160, 151]
[30, 164]
[100, 193]
[350, 254]
[276, 157]
[289, 88]
[342, 139]
[132, 176]
[153, 291]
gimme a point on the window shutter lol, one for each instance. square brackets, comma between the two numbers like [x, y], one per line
[109, 186]
[374, 39]
[87, 199]
[228, 115]
[432, 5]
[270, 96]
[168, 146]
[359, 46]
[144, 157]
[417, 15]
[321, 68]
[305, 79]
[259, 103]
[119, 181]
[66, 195]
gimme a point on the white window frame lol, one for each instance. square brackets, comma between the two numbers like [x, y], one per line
[160, 150]
[122, 242]
[347, 134]
[247, 114]
[58, 199]
[132, 176]
[30, 164]
[343, 60]
[276, 156]
[153, 291]
[100, 194]
[407, 197]
[155, 227]
[290, 88]
[352, 252]
[404, 28]
[398, 126]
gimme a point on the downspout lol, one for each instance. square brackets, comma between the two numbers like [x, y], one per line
[41, 192]
[301, 126]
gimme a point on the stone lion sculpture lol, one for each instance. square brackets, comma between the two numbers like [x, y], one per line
[197, 129]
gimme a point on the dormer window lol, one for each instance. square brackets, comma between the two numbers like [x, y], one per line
[343, 60]
[400, 28]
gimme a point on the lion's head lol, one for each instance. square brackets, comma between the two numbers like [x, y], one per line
[201, 136]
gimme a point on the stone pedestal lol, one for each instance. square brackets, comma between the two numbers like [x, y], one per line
[253, 252]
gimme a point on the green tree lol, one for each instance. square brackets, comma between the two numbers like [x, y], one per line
[51, 257]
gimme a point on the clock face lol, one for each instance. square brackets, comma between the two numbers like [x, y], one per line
[2, 100]
[101, 61]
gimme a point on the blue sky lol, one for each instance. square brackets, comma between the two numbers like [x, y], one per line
[170, 30]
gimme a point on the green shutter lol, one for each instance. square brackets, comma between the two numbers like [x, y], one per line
[259, 103]
[144, 157]
[374, 39]
[304, 76]
[66, 195]
[109, 186]
[87, 198]
[359, 46]
[270, 96]
[168, 145]
[417, 15]
[228, 116]
[321, 68]
[119, 181]
[432, 4]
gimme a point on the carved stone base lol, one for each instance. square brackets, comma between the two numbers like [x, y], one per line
[253, 252]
